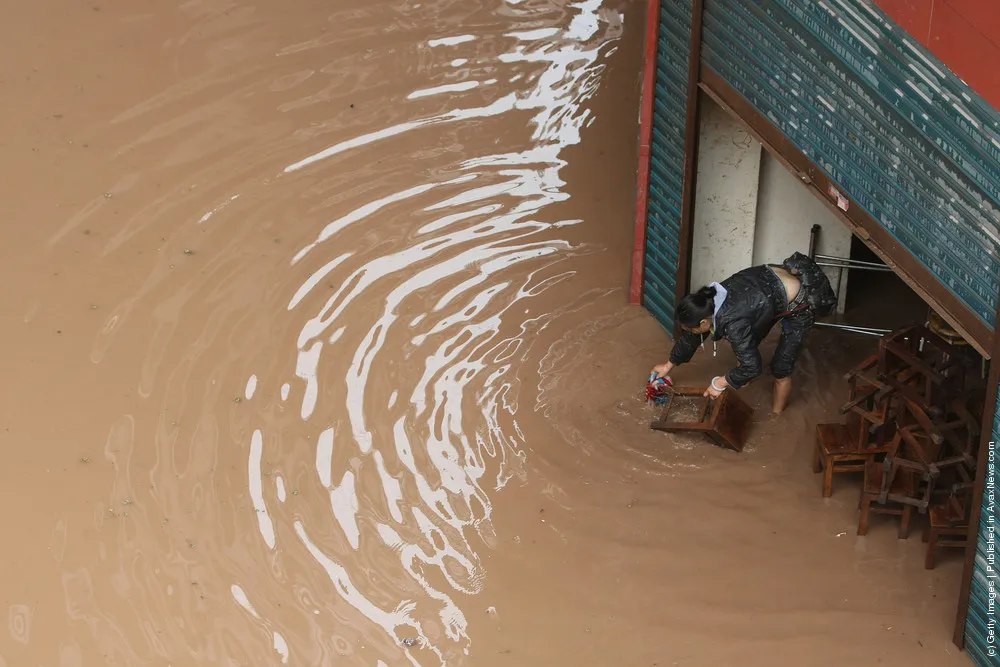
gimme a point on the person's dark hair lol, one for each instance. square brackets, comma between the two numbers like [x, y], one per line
[694, 308]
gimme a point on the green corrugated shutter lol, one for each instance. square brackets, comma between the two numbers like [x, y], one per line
[666, 178]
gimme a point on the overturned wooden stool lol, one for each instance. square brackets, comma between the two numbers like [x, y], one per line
[725, 420]
[923, 366]
[870, 401]
[877, 483]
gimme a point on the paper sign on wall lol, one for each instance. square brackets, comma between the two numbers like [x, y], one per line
[842, 202]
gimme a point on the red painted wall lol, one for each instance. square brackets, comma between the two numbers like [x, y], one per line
[963, 34]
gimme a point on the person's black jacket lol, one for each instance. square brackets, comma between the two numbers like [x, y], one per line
[746, 317]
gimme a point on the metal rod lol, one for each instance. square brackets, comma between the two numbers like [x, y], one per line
[848, 260]
[853, 264]
[862, 333]
[846, 327]
[853, 329]
[865, 332]
[813, 240]
[845, 265]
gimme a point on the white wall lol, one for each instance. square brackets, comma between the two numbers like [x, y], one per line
[725, 197]
[786, 211]
[750, 210]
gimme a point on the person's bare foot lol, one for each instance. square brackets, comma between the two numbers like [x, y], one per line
[770, 418]
[782, 390]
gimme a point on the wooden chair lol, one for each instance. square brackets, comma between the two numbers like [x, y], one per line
[871, 401]
[949, 524]
[940, 452]
[904, 484]
[911, 453]
[961, 437]
[840, 449]
[864, 435]
[726, 421]
[922, 365]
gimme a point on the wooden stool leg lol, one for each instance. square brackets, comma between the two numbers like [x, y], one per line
[817, 458]
[863, 520]
[828, 480]
[931, 548]
[925, 538]
[904, 524]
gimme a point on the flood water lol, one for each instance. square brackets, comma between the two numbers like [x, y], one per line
[318, 353]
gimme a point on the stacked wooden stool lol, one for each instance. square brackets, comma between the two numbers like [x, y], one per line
[851, 445]
[912, 427]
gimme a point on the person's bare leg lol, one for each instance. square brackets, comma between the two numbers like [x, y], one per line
[782, 390]
[793, 333]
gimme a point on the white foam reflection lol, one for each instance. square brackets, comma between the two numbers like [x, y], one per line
[344, 501]
[218, 208]
[324, 458]
[452, 41]
[281, 646]
[389, 621]
[446, 88]
[528, 35]
[420, 492]
[502, 105]
[242, 600]
[264, 523]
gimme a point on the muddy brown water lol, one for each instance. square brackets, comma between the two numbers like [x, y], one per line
[317, 353]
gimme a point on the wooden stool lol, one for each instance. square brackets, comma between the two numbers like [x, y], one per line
[840, 449]
[934, 369]
[726, 420]
[904, 484]
[949, 524]
[911, 453]
[944, 532]
[870, 402]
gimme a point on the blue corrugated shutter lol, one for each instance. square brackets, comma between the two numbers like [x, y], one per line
[903, 136]
[981, 637]
[666, 177]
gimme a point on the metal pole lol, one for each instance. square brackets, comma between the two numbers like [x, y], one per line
[868, 331]
[847, 265]
[854, 262]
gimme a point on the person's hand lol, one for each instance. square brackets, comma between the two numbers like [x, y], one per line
[662, 370]
[716, 388]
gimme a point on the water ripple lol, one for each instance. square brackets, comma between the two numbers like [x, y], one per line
[458, 421]
[355, 228]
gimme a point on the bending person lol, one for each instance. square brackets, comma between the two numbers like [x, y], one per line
[743, 309]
